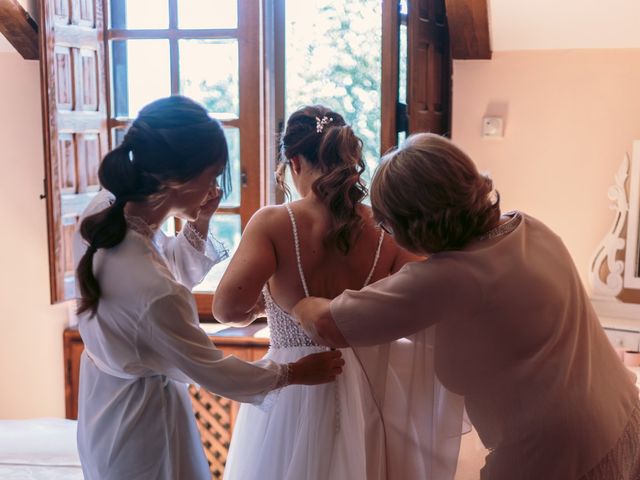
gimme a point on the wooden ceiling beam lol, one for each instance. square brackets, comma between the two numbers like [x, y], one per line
[469, 29]
[19, 28]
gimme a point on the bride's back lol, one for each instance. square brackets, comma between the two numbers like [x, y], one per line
[338, 241]
[327, 270]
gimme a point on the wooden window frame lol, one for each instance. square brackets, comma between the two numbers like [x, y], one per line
[261, 110]
[249, 120]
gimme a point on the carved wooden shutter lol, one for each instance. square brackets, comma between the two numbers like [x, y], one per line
[75, 123]
[429, 68]
[428, 79]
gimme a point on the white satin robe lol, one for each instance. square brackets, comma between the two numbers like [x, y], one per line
[135, 419]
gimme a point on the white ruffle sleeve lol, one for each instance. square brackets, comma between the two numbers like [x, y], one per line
[190, 256]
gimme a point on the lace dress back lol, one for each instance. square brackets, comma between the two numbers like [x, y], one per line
[285, 331]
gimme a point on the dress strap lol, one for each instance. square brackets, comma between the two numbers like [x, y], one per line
[375, 259]
[297, 245]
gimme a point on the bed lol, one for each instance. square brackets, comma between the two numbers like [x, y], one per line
[39, 449]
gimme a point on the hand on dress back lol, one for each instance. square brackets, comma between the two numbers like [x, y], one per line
[317, 368]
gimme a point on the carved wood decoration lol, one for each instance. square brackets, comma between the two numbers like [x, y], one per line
[614, 294]
[605, 256]
[19, 29]
[75, 123]
[469, 29]
[429, 68]
[215, 415]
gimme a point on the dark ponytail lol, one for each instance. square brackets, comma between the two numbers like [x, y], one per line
[172, 141]
[106, 228]
[331, 146]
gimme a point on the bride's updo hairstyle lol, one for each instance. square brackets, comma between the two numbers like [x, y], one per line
[330, 146]
[430, 193]
[172, 141]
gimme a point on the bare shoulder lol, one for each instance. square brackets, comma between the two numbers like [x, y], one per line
[268, 222]
[269, 217]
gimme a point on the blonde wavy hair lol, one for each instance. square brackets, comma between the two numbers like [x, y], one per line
[430, 193]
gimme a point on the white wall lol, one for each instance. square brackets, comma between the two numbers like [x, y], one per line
[31, 358]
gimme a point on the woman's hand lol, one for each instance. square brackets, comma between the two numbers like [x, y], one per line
[210, 204]
[314, 315]
[317, 368]
[207, 209]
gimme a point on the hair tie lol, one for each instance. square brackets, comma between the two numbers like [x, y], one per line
[91, 249]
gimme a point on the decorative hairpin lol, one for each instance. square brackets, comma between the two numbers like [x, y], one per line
[321, 122]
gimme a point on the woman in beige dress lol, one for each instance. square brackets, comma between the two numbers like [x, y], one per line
[516, 334]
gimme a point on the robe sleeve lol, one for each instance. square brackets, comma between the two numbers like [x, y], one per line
[169, 339]
[190, 256]
[417, 296]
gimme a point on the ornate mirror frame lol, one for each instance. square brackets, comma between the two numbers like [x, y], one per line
[615, 265]
[632, 252]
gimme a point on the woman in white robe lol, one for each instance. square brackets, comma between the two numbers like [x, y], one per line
[515, 332]
[137, 317]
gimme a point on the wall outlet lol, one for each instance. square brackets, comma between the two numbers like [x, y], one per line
[492, 127]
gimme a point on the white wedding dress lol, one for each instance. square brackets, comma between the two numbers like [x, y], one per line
[303, 432]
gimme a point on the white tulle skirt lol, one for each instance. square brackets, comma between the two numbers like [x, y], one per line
[303, 432]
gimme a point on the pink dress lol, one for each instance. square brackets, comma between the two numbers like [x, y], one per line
[517, 336]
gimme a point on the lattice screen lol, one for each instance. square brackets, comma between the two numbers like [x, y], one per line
[214, 417]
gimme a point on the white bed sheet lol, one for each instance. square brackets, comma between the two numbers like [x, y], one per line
[39, 449]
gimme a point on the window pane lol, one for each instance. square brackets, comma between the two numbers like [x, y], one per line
[141, 74]
[169, 226]
[233, 141]
[288, 180]
[139, 14]
[402, 74]
[404, 7]
[226, 229]
[209, 74]
[333, 57]
[117, 135]
[207, 14]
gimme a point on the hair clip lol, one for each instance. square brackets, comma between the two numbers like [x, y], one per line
[321, 122]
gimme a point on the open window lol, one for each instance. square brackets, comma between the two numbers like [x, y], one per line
[251, 63]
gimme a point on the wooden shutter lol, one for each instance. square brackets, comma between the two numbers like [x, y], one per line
[390, 72]
[429, 68]
[75, 123]
[428, 107]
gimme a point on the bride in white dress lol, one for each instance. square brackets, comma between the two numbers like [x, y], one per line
[320, 245]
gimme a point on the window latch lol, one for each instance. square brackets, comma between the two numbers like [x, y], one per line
[44, 189]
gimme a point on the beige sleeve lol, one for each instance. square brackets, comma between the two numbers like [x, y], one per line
[417, 296]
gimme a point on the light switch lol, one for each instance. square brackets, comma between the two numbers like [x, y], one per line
[492, 127]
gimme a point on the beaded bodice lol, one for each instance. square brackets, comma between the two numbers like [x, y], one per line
[284, 330]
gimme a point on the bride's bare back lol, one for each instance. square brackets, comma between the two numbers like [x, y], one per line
[267, 254]
[328, 272]
[326, 163]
